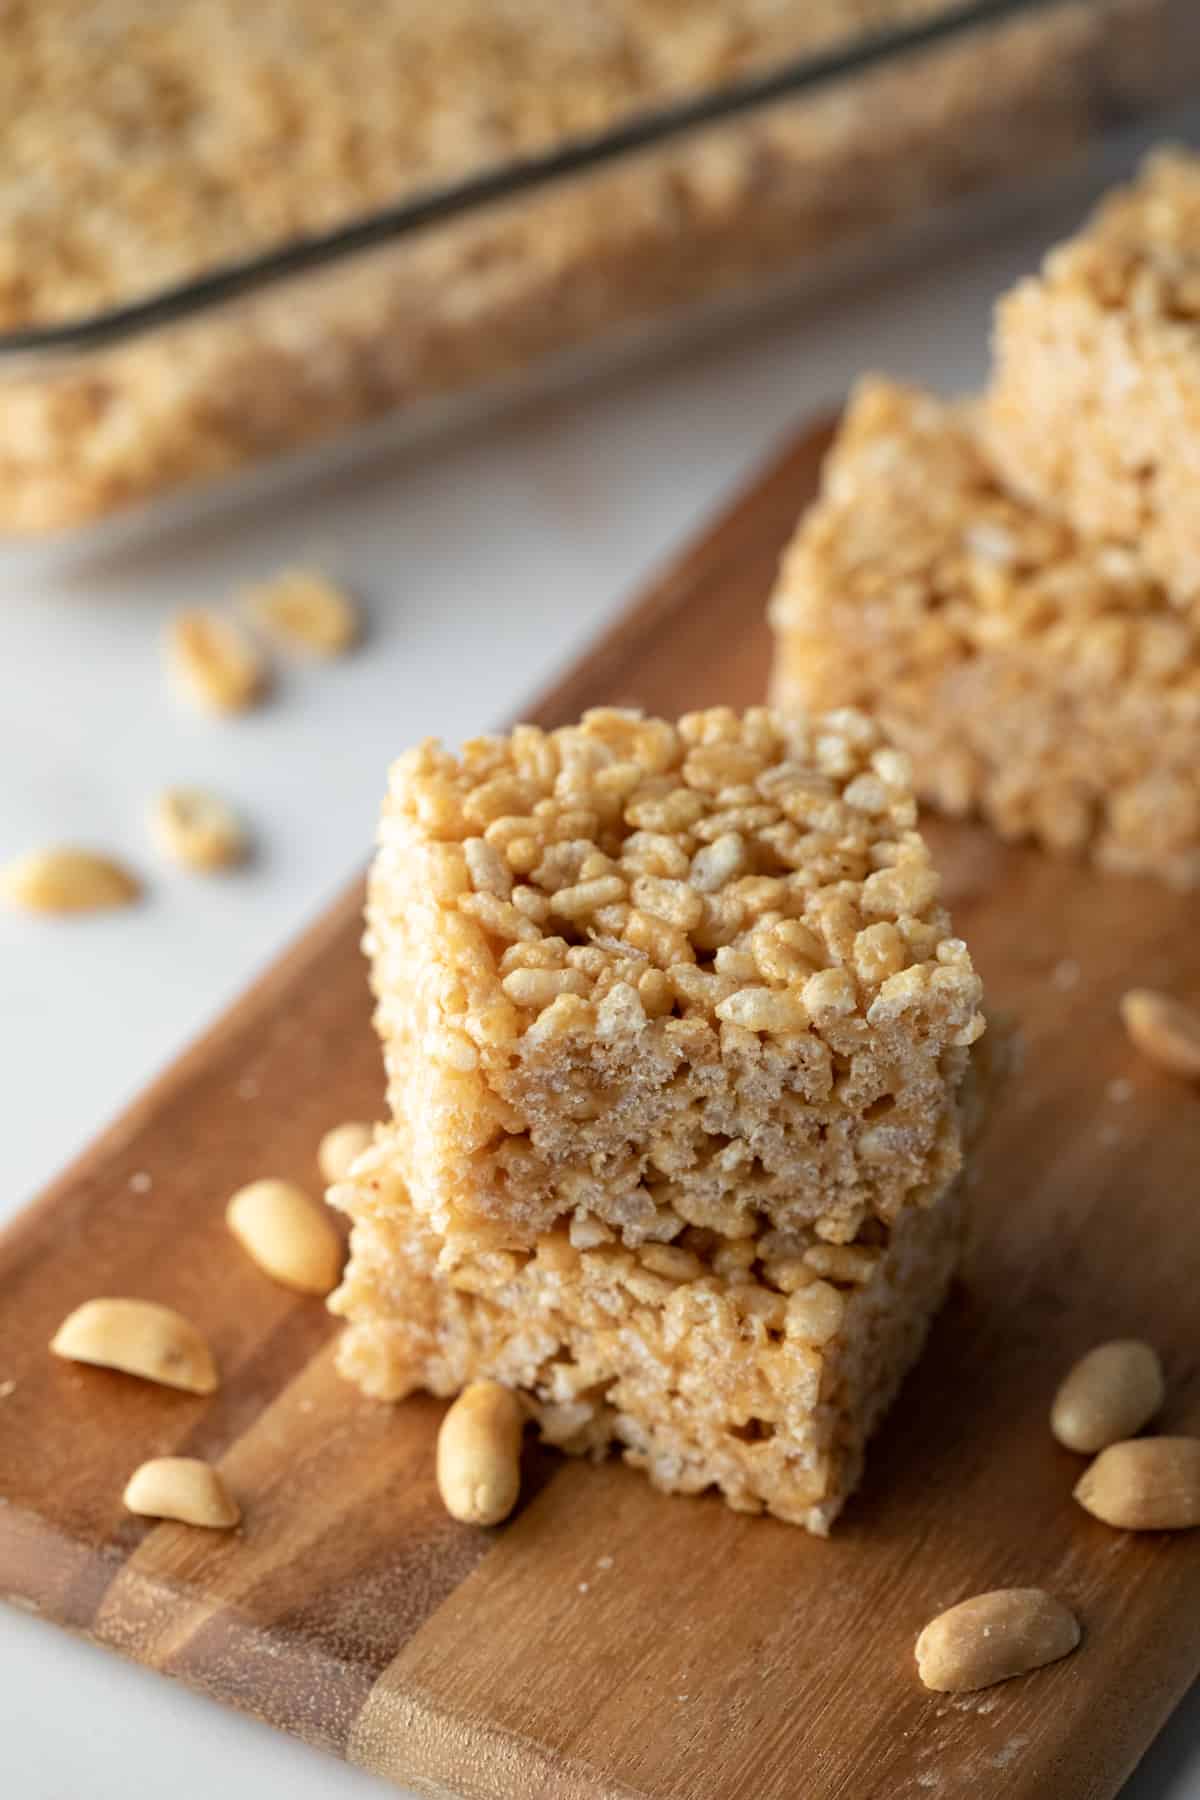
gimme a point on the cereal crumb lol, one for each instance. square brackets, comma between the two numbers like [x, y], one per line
[140, 1182]
[247, 1088]
[1120, 1090]
[7, 1387]
[1009, 1752]
[1065, 974]
[604, 1562]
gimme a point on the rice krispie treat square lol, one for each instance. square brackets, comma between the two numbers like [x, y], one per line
[634, 977]
[758, 1365]
[1094, 407]
[1038, 680]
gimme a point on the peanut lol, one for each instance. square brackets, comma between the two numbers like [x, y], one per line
[305, 611]
[287, 1234]
[993, 1637]
[213, 661]
[140, 1338]
[198, 829]
[183, 1488]
[341, 1147]
[1108, 1395]
[1164, 1030]
[479, 1454]
[1144, 1484]
[66, 880]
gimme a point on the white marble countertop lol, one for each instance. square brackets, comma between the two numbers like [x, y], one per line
[484, 562]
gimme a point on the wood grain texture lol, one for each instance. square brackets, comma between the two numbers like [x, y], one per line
[609, 1642]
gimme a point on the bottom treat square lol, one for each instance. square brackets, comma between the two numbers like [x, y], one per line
[758, 1365]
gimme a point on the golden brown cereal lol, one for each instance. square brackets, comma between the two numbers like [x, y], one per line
[287, 1234]
[141, 1338]
[340, 1148]
[479, 1454]
[305, 611]
[1165, 1030]
[993, 1637]
[214, 662]
[199, 829]
[66, 880]
[183, 1488]
[1109, 1394]
[1039, 680]
[1146, 1484]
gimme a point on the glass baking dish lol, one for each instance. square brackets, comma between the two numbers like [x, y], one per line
[797, 167]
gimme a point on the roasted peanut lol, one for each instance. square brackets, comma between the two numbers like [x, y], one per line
[341, 1147]
[140, 1338]
[993, 1637]
[214, 662]
[479, 1454]
[65, 880]
[287, 1234]
[1108, 1395]
[198, 829]
[1145, 1484]
[183, 1488]
[1164, 1030]
[304, 611]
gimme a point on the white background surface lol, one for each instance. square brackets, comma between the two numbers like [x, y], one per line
[484, 562]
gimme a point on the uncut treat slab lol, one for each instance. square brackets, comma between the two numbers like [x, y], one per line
[637, 976]
[1094, 407]
[351, 1612]
[1036, 679]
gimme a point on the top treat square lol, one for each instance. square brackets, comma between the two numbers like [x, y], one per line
[1094, 406]
[642, 976]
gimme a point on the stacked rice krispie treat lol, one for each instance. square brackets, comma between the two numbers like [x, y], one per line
[1014, 588]
[1038, 679]
[680, 1074]
[1094, 412]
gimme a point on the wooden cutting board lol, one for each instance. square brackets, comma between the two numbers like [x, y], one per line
[610, 1642]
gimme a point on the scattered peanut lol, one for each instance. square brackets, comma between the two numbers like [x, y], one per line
[1145, 1484]
[305, 611]
[287, 1234]
[184, 1488]
[341, 1147]
[993, 1637]
[214, 661]
[198, 829]
[479, 1454]
[1108, 1395]
[141, 1338]
[1164, 1030]
[65, 880]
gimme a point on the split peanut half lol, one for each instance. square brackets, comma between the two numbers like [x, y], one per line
[141, 1338]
